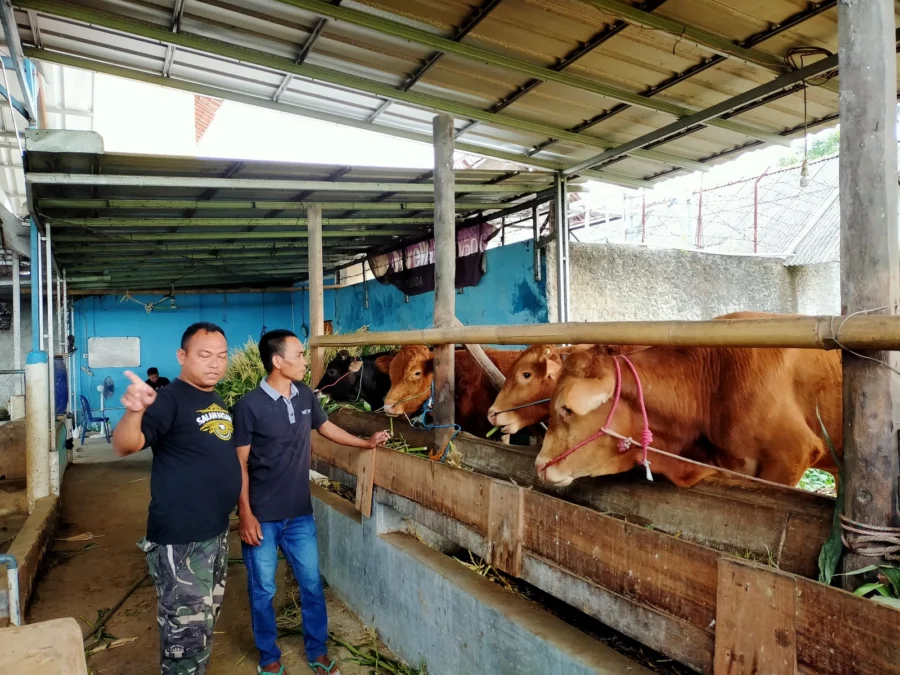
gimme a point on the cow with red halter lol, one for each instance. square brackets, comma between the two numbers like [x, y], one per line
[756, 408]
[524, 399]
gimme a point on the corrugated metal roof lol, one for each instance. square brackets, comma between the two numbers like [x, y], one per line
[823, 243]
[540, 81]
[115, 218]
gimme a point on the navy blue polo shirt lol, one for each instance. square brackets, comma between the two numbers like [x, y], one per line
[277, 430]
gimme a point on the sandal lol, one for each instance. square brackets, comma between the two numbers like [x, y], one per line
[330, 669]
[279, 672]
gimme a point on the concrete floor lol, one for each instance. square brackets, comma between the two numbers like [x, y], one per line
[108, 497]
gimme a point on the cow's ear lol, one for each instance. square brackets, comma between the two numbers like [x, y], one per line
[553, 368]
[355, 366]
[586, 395]
[344, 354]
[383, 363]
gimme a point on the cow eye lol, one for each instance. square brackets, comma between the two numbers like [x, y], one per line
[331, 373]
[565, 410]
[526, 375]
[418, 373]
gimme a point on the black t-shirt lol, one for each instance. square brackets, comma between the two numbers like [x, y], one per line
[196, 477]
[279, 449]
[160, 382]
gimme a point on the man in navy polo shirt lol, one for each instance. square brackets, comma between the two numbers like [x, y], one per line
[272, 426]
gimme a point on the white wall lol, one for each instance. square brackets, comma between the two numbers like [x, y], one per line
[614, 282]
[818, 288]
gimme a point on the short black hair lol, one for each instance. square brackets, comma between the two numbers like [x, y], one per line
[272, 343]
[195, 328]
[152, 371]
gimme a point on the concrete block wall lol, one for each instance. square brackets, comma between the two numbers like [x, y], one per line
[610, 282]
[429, 608]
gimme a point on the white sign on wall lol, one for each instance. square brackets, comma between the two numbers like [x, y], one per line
[114, 352]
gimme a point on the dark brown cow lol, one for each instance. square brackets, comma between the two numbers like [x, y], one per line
[755, 408]
[412, 372]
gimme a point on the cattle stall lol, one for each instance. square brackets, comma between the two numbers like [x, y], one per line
[720, 577]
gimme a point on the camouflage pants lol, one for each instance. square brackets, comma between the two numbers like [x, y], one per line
[190, 583]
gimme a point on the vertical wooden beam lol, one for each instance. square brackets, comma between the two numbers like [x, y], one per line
[316, 290]
[755, 617]
[869, 259]
[505, 524]
[444, 272]
[365, 481]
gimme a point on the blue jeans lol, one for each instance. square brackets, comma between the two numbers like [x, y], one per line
[297, 539]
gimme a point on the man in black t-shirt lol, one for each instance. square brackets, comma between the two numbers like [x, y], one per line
[272, 426]
[154, 380]
[194, 486]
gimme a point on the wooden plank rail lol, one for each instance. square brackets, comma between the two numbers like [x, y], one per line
[659, 589]
[858, 332]
[749, 518]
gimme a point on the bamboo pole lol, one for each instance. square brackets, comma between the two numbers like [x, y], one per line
[316, 284]
[444, 275]
[869, 273]
[800, 332]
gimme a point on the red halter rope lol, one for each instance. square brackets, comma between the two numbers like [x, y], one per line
[624, 443]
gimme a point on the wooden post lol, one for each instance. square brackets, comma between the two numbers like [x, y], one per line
[444, 273]
[869, 261]
[562, 249]
[316, 283]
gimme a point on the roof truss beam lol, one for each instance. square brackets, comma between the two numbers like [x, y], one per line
[449, 46]
[305, 51]
[698, 36]
[582, 50]
[474, 19]
[704, 116]
[263, 184]
[14, 45]
[177, 16]
[182, 204]
[706, 64]
[116, 22]
[226, 94]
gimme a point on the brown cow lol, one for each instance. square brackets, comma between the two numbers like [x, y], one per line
[412, 373]
[757, 407]
[532, 378]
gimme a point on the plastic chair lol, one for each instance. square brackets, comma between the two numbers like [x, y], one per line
[90, 419]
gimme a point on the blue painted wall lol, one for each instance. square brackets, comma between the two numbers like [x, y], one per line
[507, 294]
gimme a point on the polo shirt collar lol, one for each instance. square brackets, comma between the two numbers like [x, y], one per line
[275, 394]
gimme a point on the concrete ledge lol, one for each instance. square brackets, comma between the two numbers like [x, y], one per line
[429, 608]
[31, 543]
[41, 648]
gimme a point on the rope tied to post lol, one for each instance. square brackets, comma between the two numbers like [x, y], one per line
[426, 409]
[871, 541]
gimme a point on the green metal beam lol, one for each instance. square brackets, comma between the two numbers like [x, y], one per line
[219, 236]
[448, 46]
[89, 247]
[717, 43]
[299, 223]
[310, 113]
[181, 204]
[34, 178]
[280, 64]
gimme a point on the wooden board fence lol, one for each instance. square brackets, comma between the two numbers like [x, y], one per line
[657, 588]
[752, 519]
